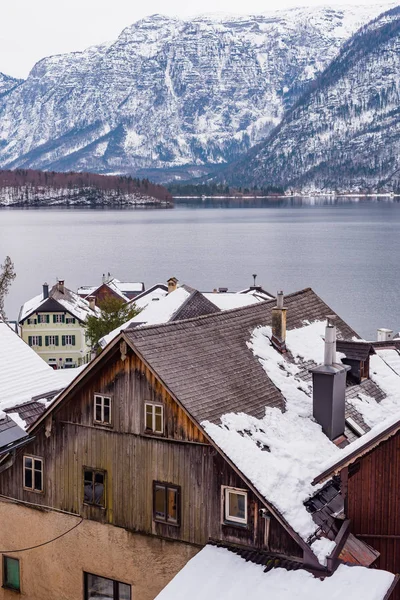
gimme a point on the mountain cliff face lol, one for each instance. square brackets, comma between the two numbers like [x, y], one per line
[170, 94]
[7, 83]
[344, 134]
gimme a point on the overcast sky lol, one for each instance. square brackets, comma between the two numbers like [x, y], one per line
[33, 29]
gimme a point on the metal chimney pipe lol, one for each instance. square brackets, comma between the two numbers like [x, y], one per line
[279, 300]
[330, 345]
[45, 291]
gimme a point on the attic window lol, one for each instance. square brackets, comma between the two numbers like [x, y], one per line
[102, 410]
[153, 418]
[235, 506]
[355, 427]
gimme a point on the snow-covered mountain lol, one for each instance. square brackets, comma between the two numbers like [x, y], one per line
[171, 94]
[344, 134]
[7, 83]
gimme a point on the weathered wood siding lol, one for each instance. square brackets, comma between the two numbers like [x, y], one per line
[133, 460]
[373, 503]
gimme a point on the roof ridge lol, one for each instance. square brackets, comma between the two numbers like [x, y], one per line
[231, 311]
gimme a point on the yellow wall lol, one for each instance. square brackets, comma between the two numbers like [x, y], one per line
[55, 571]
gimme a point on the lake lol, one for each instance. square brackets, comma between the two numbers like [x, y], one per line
[348, 250]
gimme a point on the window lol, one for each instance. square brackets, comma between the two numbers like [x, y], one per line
[43, 318]
[94, 487]
[35, 340]
[33, 474]
[102, 409]
[32, 321]
[51, 340]
[11, 573]
[58, 318]
[68, 340]
[70, 320]
[235, 506]
[166, 503]
[97, 587]
[154, 418]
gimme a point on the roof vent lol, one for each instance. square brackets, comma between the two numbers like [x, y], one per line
[329, 388]
[384, 335]
[172, 284]
[222, 290]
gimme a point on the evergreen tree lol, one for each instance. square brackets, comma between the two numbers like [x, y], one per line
[114, 313]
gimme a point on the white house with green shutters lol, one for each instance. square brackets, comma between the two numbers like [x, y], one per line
[53, 325]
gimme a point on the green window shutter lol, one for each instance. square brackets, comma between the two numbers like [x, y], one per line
[63, 340]
[11, 576]
[40, 340]
[56, 340]
[46, 340]
[73, 340]
[47, 318]
[54, 318]
[30, 340]
[63, 318]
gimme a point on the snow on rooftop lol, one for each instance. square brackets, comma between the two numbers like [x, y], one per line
[391, 357]
[159, 308]
[23, 373]
[228, 300]
[71, 301]
[282, 453]
[219, 573]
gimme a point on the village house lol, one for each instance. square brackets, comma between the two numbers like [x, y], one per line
[111, 287]
[213, 430]
[53, 324]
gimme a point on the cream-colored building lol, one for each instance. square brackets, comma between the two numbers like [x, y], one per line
[53, 325]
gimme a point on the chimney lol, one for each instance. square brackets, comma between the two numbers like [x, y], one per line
[92, 302]
[329, 388]
[384, 335]
[172, 284]
[45, 291]
[60, 286]
[279, 324]
[104, 278]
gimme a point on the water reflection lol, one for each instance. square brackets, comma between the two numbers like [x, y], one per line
[279, 201]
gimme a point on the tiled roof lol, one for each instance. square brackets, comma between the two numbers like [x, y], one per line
[208, 365]
[194, 306]
[355, 350]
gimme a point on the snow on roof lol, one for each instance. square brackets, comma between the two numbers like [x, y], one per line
[87, 290]
[228, 300]
[126, 286]
[23, 374]
[391, 356]
[159, 308]
[219, 573]
[283, 452]
[71, 301]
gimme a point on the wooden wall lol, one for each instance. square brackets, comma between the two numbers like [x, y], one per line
[133, 460]
[373, 503]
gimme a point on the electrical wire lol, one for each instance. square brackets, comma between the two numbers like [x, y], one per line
[43, 543]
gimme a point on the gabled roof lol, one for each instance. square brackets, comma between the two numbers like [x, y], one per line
[58, 300]
[355, 350]
[195, 305]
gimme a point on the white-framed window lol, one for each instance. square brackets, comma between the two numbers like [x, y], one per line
[235, 505]
[68, 340]
[58, 318]
[33, 474]
[35, 340]
[102, 409]
[153, 417]
[70, 320]
[51, 340]
[43, 318]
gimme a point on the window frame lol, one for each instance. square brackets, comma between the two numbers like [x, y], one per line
[35, 340]
[4, 584]
[102, 422]
[229, 519]
[115, 585]
[33, 458]
[94, 471]
[153, 431]
[168, 486]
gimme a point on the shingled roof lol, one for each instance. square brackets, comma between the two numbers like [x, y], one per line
[208, 365]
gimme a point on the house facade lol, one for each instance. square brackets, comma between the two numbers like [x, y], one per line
[160, 447]
[53, 325]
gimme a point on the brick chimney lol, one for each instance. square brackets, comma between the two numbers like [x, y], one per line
[45, 291]
[60, 286]
[279, 324]
[329, 388]
[172, 284]
[92, 302]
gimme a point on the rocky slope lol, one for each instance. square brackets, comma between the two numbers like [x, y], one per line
[344, 134]
[169, 94]
[7, 83]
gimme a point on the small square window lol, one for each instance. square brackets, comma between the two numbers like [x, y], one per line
[93, 484]
[154, 418]
[166, 503]
[102, 410]
[11, 573]
[33, 474]
[235, 506]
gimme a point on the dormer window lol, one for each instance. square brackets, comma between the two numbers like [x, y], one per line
[102, 410]
[153, 418]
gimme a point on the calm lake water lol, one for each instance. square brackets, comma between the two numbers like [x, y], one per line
[348, 251]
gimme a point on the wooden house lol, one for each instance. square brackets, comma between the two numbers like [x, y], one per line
[161, 446]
